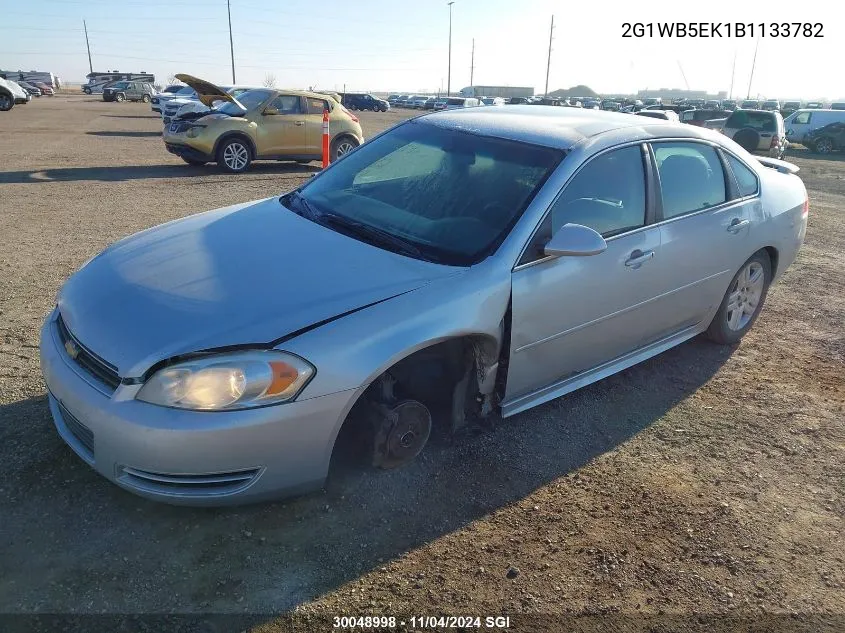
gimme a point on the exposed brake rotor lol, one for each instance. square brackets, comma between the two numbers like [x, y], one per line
[401, 433]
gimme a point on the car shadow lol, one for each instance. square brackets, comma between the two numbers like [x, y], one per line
[131, 134]
[269, 558]
[132, 116]
[140, 172]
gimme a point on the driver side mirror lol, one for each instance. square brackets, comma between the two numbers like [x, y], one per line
[270, 111]
[575, 240]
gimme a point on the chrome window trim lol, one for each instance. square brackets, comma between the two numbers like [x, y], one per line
[747, 166]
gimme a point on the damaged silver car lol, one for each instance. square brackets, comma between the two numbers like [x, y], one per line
[485, 259]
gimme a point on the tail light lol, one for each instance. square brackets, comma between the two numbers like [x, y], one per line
[806, 210]
[775, 141]
[349, 114]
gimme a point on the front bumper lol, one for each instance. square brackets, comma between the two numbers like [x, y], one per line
[191, 153]
[190, 457]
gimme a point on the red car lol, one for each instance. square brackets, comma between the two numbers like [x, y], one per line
[45, 89]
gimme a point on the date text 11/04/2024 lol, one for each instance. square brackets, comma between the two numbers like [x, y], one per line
[362, 623]
[722, 29]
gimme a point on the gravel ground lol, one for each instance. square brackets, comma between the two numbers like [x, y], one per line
[708, 480]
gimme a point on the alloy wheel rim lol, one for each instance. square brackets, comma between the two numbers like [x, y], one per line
[235, 156]
[823, 146]
[344, 148]
[744, 299]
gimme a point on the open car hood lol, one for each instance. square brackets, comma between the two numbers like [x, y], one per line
[207, 92]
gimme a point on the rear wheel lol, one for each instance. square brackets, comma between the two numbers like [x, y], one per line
[145, 98]
[743, 301]
[342, 146]
[234, 156]
[824, 145]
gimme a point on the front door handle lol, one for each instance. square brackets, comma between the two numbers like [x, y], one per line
[638, 258]
[299, 122]
[737, 225]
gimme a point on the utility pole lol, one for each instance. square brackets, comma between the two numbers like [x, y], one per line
[88, 46]
[449, 72]
[733, 74]
[549, 63]
[683, 74]
[472, 63]
[753, 64]
[231, 42]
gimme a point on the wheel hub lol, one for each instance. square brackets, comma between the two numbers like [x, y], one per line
[402, 433]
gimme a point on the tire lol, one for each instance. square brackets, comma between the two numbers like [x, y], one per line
[748, 139]
[191, 161]
[87, 91]
[234, 156]
[6, 102]
[145, 98]
[341, 146]
[120, 97]
[745, 291]
[823, 145]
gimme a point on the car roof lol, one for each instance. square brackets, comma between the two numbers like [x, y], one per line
[560, 128]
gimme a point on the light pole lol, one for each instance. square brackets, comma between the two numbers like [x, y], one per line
[231, 42]
[449, 72]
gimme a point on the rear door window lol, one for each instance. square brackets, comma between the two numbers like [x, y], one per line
[316, 106]
[760, 121]
[691, 177]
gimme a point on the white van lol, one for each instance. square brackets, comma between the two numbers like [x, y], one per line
[801, 122]
[461, 102]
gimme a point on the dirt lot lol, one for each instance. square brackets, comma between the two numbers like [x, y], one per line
[708, 480]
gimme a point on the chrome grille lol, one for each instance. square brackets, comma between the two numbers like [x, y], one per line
[87, 360]
[82, 433]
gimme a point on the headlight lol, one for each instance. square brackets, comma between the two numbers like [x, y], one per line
[239, 380]
[194, 130]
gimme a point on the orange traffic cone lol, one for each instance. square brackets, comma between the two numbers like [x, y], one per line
[325, 138]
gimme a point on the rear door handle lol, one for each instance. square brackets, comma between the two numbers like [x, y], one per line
[737, 225]
[638, 258]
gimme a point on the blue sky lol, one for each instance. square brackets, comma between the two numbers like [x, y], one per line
[400, 45]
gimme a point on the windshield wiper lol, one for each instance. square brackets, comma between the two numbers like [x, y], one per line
[300, 205]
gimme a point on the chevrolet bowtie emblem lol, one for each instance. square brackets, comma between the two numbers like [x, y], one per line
[72, 349]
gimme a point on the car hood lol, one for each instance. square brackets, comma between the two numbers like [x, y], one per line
[246, 275]
[207, 92]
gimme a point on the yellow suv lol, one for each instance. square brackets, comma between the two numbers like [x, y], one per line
[260, 124]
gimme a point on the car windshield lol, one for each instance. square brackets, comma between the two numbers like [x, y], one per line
[172, 89]
[449, 196]
[249, 99]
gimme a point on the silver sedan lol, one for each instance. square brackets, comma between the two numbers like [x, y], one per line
[463, 264]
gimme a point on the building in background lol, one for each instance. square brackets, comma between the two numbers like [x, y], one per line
[675, 93]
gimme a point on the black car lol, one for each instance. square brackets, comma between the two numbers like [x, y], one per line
[827, 139]
[517, 100]
[364, 101]
[129, 91]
